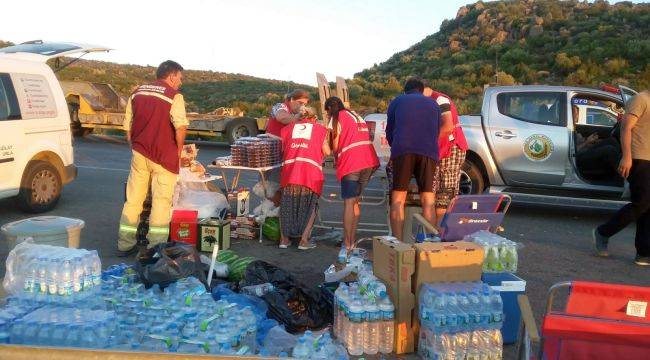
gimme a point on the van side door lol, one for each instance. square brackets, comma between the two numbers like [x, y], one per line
[11, 138]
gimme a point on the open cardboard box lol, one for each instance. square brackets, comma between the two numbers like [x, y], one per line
[405, 267]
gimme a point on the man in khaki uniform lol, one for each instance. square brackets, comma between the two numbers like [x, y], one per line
[635, 166]
[156, 126]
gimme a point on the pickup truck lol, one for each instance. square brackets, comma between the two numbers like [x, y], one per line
[526, 139]
[525, 142]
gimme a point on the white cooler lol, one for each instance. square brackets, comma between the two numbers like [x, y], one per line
[46, 230]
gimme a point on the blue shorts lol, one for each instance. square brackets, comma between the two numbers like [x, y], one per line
[352, 185]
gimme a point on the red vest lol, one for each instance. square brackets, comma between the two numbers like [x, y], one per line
[354, 150]
[274, 127]
[152, 132]
[302, 144]
[445, 145]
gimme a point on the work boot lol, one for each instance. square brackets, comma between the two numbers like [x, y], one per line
[600, 243]
[642, 260]
[127, 253]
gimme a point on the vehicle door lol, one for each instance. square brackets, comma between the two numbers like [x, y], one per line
[626, 93]
[12, 144]
[528, 135]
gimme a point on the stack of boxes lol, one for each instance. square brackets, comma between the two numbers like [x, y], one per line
[405, 267]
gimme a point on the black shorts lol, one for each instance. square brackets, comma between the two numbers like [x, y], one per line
[421, 167]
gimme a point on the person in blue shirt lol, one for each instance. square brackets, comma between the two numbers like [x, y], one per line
[412, 132]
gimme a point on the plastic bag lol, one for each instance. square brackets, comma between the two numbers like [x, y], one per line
[263, 328]
[271, 188]
[278, 340]
[207, 203]
[223, 292]
[167, 262]
[293, 304]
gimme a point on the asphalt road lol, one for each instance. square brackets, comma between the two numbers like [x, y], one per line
[556, 241]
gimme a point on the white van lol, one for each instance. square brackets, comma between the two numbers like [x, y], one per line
[36, 157]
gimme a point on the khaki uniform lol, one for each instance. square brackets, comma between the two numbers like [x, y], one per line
[144, 172]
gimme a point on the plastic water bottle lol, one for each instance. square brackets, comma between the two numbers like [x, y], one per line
[371, 329]
[17, 332]
[387, 328]
[88, 271]
[64, 285]
[496, 306]
[96, 268]
[338, 308]
[31, 278]
[355, 328]
[52, 276]
[222, 336]
[77, 274]
[258, 290]
[342, 257]
[43, 336]
[301, 350]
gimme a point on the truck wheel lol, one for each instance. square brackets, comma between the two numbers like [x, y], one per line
[40, 189]
[239, 128]
[471, 179]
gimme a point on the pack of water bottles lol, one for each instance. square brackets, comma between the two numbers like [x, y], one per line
[52, 274]
[318, 347]
[124, 315]
[364, 316]
[460, 321]
[501, 254]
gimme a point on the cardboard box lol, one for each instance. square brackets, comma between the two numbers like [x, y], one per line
[394, 264]
[448, 262]
[183, 226]
[405, 267]
[214, 231]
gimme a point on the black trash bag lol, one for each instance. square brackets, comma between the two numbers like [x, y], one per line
[293, 304]
[167, 262]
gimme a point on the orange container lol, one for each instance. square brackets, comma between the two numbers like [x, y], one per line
[184, 226]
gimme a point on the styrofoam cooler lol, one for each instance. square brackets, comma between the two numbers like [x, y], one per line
[47, 230]
[509, 286]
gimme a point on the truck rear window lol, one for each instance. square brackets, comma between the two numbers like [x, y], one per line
[545, 108]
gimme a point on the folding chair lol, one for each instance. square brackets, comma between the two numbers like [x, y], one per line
[599, 321]
[468, 214]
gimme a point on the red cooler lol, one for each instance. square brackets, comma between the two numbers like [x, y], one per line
[184, 226]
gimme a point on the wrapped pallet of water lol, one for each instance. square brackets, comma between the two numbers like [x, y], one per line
[46, 230]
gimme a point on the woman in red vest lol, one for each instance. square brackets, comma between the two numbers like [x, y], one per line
[304, 144]
[356, 161]
[287, 112]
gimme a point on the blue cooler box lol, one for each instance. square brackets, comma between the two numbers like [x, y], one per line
[510, 287]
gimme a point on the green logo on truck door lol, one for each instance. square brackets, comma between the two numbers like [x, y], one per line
[538, 147]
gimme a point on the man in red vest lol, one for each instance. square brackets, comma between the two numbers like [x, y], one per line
[452, 147]
[304, 145]
[356, 161]
[156, 126]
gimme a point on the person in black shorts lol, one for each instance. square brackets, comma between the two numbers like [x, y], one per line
[412, 131]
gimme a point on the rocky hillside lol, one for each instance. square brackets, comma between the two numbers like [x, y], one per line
[519, 42]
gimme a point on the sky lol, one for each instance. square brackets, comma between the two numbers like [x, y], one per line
[275, 39]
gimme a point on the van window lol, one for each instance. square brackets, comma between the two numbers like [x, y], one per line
[34, 96]
[9, 109]
[545, 108]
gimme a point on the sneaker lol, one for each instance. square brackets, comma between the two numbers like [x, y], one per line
[642, 260]
[600, 243]
[309, 246]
